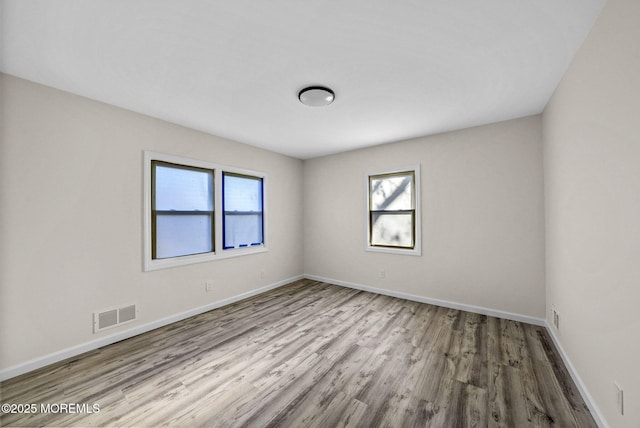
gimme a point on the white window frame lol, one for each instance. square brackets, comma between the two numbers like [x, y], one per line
[417, 247]
[150, 264]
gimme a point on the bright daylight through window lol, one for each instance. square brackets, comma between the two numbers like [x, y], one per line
[182, 210]
[197, 211]
[393, 211]
[242, 204]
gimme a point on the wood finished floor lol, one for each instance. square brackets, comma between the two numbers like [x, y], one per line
[311, 354]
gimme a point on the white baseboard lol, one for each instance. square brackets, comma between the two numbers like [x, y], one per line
[586, 396]
[107, 340]
[444, 303]
[55, 357]
[584, 392]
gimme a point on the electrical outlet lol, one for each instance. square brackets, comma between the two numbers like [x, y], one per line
[556, 318]
[383, 274]
[619, 398]
[262, 274]
[208, 286]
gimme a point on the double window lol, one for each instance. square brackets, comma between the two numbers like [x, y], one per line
[393, 223]
[182, 224]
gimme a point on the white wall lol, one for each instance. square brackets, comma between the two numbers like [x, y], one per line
[482, 218]
[592, 195]
[71, 220]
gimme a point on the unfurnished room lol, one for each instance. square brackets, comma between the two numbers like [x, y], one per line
[319, 214]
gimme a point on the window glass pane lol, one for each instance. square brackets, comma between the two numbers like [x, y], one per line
[392, 229]
[243, 221]
[180, 235]
[242, 230]
[182, 189]
[392, 192]
[243, 194]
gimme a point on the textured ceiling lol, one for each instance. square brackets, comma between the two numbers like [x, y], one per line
[400, 69]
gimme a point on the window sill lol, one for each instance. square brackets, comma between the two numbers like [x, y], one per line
[157, 264]
[389, 250]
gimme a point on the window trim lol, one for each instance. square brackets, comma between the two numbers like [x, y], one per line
[150, 264]
[417, 217]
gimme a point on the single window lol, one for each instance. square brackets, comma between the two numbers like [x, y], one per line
[242, 203]
[392, 203]
[182, 217]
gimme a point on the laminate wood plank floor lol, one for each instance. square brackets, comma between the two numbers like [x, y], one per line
[312, 354]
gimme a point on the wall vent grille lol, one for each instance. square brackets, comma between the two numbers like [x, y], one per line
[112, 317]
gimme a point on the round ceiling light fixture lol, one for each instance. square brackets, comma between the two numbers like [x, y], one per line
[316, 96]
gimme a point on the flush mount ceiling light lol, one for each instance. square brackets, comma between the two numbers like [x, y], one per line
[316, 96]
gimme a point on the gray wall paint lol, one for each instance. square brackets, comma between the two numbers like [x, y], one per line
[71, 223]
[68, 163]
[592, 193]
[482, 218]
[72, 218]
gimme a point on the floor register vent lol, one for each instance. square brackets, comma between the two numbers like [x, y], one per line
[112, 317]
